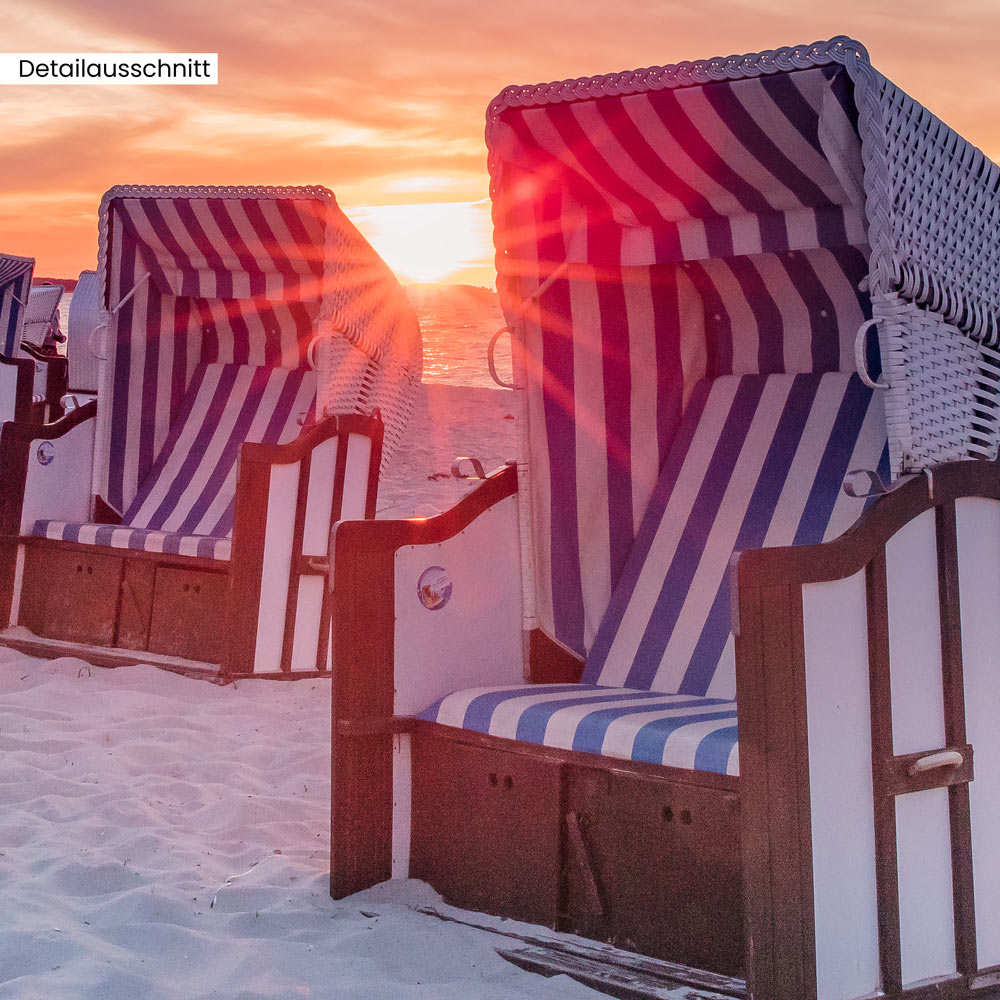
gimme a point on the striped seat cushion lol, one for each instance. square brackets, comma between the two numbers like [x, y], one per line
[119, 536]
[678, 730]
[758, 461]
[186, 503]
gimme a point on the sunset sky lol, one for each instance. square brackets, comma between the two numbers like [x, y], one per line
[384, 100]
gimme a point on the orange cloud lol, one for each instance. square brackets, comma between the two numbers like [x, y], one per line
[385, 101]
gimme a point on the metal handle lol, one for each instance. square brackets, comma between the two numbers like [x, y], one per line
[943, 758]
[90, 341]
[859, 356]
[311, 350]
[489, 357]
[456, 468]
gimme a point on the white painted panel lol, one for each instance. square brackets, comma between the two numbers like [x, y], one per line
[308, 609]
[979, 584]
[8, 391]
[59, 477]
[402, 783]
[915, 637]
[279, 530]
[359, 456]
[316, 530]
[926, 905]
[840, 779]
[473, 636]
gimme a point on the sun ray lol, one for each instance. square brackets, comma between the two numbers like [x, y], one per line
[427, 242]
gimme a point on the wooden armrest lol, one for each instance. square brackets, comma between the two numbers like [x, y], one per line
[367, 537]
[22, 432]
[294, 451]
[39, 354]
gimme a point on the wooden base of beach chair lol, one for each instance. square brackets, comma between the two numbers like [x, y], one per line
[642, 857]
[130, 600]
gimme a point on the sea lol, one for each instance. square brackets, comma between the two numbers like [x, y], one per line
[456, 323]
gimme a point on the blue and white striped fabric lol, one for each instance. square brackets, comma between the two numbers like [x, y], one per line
[678, 730]
[194, 281]
[703, 231]
[15, 286]
[186, 503]
[733, 167]
[117, 536]
[758, 461]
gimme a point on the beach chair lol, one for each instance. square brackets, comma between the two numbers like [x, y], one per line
[703, 674]
[261, 362]
[83, 343]
[16, 371]
[40, 341]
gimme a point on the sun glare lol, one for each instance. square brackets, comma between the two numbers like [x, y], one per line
[428, 242]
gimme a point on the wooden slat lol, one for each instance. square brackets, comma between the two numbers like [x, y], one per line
[886, 862]
[641, 971]
[955, 733]
[611, 981]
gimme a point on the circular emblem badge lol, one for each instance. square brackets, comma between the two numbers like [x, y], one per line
[434, 588]
[46, 453]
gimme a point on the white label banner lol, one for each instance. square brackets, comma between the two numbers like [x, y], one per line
[121, 68]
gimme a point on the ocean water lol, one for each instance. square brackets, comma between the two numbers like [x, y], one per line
[456, 324]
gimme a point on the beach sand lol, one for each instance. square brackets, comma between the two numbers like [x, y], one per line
[448, 421]
[163, 837]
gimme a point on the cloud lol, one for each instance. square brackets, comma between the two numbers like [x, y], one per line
[368, 97]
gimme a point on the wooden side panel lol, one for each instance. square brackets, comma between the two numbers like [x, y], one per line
[486, 828]
[653, 866]
[71, 595]
[774, 794]
[188, 609]
[282, 513]
[458, 611]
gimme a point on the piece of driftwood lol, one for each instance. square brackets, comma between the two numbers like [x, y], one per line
[605, 968]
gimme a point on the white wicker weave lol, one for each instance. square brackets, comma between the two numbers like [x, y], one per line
[933, 210]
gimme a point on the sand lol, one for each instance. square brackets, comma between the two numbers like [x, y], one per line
[448, 421]
[163, 838]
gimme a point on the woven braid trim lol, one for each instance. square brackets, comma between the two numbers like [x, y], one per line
[188, 191]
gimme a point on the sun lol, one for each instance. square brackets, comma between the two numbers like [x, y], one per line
[428, 242]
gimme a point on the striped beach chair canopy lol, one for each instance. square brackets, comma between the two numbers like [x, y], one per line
[15, 286]
[276, 279]
[755, 215]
